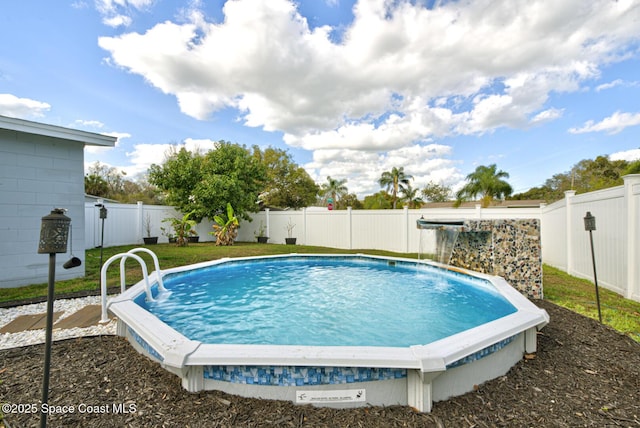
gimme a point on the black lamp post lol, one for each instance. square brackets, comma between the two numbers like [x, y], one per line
[590, 226]
[54, 234]
[103, 216]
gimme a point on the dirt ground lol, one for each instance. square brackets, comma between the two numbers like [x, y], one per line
[584, 375]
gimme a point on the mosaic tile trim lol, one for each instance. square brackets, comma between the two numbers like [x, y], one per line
[482, 353]
[147, 348]
[299, 376]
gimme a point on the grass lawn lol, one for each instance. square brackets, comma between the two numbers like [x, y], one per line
[570, 292]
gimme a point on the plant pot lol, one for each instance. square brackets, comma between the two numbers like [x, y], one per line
[150, 240]
[262, 239]
[290, 241]
[194, 239]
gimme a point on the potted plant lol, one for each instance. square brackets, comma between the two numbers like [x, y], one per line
[170, 237]
[183, 228]
[289, 240]
[260, 234]
[149, 240]
[226, 228]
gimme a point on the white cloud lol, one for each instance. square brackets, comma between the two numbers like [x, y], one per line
[144, 155]
[95, 124]
[615, 83]
[265, 60]
[363, 170]
[79, 4]
[547, 116]
[628, 155]
[612, 125]
[609, 85]
[117, 13]
[22, 108]
[117, 21]
[401, 75]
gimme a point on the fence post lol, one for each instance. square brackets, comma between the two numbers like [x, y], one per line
[304, 225]
[405, 219]
[267, 221]
[350, 227]
[140, 222]
[568, 197]
[478, 211]
[633, 249]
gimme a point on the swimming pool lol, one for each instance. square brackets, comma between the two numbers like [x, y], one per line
[309, 360]
[334, 302]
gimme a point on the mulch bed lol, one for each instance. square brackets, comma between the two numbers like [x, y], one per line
[584, 374]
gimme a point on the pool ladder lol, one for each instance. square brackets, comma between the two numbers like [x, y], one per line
[123, 284]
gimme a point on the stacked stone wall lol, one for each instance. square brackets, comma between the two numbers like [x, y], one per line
[507, 248]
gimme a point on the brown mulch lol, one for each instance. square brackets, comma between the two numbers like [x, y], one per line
[584, 375]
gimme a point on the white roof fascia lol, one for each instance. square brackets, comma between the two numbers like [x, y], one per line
[37, 128]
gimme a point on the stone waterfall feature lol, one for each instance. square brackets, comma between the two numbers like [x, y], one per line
[508, 248]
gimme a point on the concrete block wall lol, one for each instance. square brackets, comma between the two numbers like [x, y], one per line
[37, 173]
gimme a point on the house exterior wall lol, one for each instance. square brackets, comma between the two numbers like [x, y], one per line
[38, 173]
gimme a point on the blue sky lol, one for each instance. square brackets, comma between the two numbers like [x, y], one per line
[350, 88]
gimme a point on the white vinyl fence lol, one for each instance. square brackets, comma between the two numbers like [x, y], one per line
[616, 240]
[126, 224]
[565, 243]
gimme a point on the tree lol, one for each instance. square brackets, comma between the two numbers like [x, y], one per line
[113, 178]
[410, 196]
[226, 228]
[434, 192]
[141, 190]
[633, 168]
[205, 183]
[393, 181]
[334, 189]
[378, 201]
[96, 186]
[287, 184]
[349, 200]
[486, 182]
[109, 182]
[183, 228]
[585, 176]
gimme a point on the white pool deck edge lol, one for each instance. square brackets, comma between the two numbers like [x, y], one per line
[427, 379]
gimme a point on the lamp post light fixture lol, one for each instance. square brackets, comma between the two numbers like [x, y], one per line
[54, 234]
[103, 216]
[590, 226]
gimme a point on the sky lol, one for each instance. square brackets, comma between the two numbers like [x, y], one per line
[350, 88]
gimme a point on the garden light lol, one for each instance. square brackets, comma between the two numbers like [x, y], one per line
[590, 226]
[54, 234]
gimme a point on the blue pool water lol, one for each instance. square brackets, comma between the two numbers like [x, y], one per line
[325, 302]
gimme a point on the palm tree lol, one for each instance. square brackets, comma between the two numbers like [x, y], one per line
[410, 196]
[334, 189]
[393, 181]
[487, 182]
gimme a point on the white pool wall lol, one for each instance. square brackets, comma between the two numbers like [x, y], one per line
[428, 378]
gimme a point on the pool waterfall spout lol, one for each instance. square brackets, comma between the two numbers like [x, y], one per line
[447, 232]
